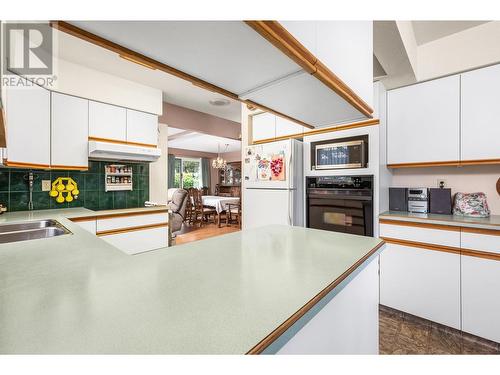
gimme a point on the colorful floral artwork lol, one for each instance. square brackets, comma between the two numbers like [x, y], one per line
[277, 168]
[263, 169]
[471, 204]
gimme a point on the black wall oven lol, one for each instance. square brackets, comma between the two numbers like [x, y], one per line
[341, 204]
[340, 153]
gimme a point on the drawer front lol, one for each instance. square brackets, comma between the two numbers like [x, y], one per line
[481, 241]
[429, 235]
[480, 301]
[135, 242]
[89, 226]
[130, 221]
[421, 282]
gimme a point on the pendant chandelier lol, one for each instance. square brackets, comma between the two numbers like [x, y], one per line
[220, 163]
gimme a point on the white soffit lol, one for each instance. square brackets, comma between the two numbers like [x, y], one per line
[428, 31]
[175, 90]
[202, 142]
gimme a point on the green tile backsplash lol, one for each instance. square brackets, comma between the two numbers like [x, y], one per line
[14, 192]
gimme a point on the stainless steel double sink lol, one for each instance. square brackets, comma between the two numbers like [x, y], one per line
[31, 230]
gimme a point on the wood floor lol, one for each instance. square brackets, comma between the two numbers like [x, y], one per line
[195, 233]
[402, 333]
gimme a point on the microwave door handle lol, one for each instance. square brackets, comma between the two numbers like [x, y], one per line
[363, 159]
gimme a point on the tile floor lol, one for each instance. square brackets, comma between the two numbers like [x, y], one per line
[402, 333]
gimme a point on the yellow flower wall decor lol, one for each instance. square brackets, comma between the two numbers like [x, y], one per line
[64, 185]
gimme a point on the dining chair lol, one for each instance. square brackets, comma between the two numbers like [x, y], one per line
[190, 211]
[202, 213]
[233, 210]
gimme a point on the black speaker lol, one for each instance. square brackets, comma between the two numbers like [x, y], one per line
[440, 201]
[398, 199]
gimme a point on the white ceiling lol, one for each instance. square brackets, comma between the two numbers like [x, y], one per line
[202, 142]
[175, 90]
[428, 31]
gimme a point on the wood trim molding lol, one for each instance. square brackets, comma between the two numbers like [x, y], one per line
[331, 129]
[130, 229]
[3, 138]
[269, 339]
[481, 254]
[420, 225]
[107, 140]
[267, 109]
[70, 167]
[118, 214]
[10, 163]
[490, 232]
[281, 38]
[451, 163]
[423, 245]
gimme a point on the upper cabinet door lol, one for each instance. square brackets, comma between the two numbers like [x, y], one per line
[480, 121]
[69, 130]
[423, 122]
[286, 127]
[142, 128]
[263, 126]
[28, 125]
[107, 121]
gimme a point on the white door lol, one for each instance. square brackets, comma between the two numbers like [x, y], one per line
[421, 282]
[107, 121]
[263, 126]
[139, 241]
[142, 128]
[423, 122]
[480, 121]
[266, 207]
[481, 297]
[286, 127]
[28, 125]
[260, 166]
[69, 130]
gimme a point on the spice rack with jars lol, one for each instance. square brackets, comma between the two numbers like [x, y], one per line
[118, 177]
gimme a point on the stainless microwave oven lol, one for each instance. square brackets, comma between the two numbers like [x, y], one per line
[341, 153]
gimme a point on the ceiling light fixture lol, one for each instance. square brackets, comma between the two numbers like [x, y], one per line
[220, 163]
[138, 62]
[219, 102]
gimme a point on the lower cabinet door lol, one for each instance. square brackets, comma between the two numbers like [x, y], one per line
[139, 241]
[481, 297]
[89, 226]
[422, 282]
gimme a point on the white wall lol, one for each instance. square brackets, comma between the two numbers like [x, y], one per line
[469, 179]
[88, 83]
[158, 171]
[469, 49]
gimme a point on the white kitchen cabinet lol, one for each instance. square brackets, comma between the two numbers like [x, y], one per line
[480, 122]
[69, 131]
[423, 122]
[28, 125]
[130, 221]
[263, 126]
[421, 282]
[107, 121]
[433, 236]
[139, 241]
[480, 300]
[142, 127]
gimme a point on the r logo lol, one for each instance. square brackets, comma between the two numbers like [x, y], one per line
[28, 48]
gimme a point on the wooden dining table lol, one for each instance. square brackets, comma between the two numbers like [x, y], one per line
[219, 203]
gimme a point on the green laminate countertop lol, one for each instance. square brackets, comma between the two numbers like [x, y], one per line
[492, 222]
[78, 294]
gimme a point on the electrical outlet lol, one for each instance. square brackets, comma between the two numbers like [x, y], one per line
[45, 185]
[441, 183]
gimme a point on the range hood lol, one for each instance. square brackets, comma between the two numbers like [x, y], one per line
[122, 152]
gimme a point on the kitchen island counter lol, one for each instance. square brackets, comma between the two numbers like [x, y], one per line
[232, 294]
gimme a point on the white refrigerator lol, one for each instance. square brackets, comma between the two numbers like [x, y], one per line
[273, 184]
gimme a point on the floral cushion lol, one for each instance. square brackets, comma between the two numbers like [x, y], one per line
[471, 204]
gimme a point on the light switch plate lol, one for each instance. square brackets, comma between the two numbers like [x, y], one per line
[45, 185]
